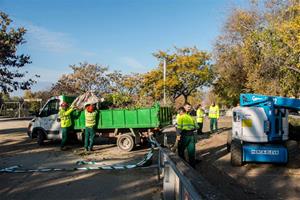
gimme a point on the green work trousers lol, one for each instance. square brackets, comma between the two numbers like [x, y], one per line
[187, 141]
[213, 125]
[64, 138]
[89, 138]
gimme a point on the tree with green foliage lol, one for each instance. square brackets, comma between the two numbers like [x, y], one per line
[12, 78]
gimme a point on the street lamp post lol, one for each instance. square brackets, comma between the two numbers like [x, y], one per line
[165, 74]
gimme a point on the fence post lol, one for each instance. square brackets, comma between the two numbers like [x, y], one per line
[169, 186]
[19, 110]
[159, 164]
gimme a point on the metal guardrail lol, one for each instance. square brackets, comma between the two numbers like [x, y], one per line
[181, 181]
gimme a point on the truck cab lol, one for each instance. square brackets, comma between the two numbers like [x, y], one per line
[45, 125]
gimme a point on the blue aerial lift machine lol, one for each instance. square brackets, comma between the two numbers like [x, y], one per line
[260, 129]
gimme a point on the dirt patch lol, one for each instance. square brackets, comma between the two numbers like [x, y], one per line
[251, 181]
[17, 149]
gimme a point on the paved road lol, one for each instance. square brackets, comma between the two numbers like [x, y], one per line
[17, 148]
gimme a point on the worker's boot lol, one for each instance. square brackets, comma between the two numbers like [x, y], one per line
[63, 148]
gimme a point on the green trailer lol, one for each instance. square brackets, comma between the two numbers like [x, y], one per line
[129, 126]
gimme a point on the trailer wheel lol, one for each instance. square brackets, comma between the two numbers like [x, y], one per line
[125, 142]
[40, 137]
[236, 154]
[229, 140]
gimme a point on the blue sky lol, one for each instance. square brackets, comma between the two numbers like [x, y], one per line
[121, 34]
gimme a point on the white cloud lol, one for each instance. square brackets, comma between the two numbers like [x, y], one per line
[46, 40]
[132, 63]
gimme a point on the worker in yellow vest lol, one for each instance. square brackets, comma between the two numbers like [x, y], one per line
[185, 135]
[65, 122]
[214, 114]
[90, 125]
[199, 119]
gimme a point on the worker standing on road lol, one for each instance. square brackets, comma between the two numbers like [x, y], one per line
[200, 117]
[65, 122]
[90, 123]
[185, 135]
[214, 114]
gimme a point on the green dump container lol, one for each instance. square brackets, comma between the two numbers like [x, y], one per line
[153, 117]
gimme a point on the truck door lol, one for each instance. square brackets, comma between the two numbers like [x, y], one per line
[49, 117]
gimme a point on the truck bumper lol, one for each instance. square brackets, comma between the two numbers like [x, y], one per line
[265, 153]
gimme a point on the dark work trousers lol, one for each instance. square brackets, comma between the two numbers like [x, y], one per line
[213, 125]
[200, 126]
[89, 138]
[187, 142]
[64, 132]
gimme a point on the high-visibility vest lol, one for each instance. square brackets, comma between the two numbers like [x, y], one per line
[186, 122]
[214, 112]
[90, 119]
[200, 115]
[65, 117]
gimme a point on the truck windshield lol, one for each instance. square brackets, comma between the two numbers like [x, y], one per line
[51, 108]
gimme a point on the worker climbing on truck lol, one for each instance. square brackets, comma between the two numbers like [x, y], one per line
[185, 135]
[66, 123]
[214, 114]
[90, 124]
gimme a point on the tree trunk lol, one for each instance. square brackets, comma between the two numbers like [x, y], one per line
[185, 98]
[294, 69]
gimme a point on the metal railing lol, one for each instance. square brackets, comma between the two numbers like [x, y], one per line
[181, 181]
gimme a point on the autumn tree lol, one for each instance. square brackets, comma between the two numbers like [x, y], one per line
[188, 69]
[229, 64]
[10, 62]
[124, 89]
[85, 77]
[258, 51]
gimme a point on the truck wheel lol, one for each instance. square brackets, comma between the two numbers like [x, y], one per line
[125, 142]
[40, 137]
[229, 140]
[236, 154]
[29, 133]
